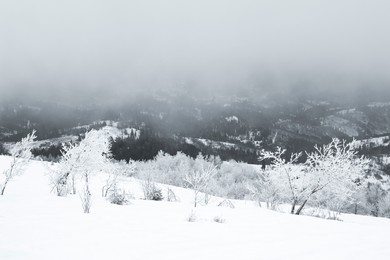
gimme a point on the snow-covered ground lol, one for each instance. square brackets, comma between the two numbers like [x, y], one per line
[36, 224]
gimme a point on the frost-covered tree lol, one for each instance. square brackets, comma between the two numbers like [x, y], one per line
[82, 161]
[66, 171]
[336, 172]
[373, 194]
[199, 177]
[330, 176]
[285, 181]
[2, 149]
[20, 155]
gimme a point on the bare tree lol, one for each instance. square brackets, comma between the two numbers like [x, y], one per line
[21, 154]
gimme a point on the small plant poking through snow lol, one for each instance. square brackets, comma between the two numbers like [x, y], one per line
[156, 194]
[322, 213]
[192, 217]
[171, 196]
[219, 219]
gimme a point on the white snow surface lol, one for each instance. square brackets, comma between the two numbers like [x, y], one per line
[36, 224]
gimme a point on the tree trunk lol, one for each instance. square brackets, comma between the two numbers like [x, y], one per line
[2, 190]
[206, 198]
[301, 207]
[293, 207]
[87, 195]
[73, 186]
[195, 198]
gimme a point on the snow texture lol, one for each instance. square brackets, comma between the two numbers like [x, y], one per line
[36, 224]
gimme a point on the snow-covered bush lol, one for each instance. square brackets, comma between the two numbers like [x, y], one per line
[152, 192]
[179, 170]
[118, 198]
[168, 169]
[20, 155]
[149, 188]
[232, 178]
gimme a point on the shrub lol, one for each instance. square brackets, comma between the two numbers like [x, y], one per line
[192, 217]
[156, 194]
[171, 195]
[151, 191]
[219, 219]
[118, 198]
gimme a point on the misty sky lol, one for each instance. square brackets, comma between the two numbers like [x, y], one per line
[57, 47]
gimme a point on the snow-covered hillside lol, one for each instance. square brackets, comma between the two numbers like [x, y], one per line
[36, 224]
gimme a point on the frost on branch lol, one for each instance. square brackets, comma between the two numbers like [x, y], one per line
[20, 154]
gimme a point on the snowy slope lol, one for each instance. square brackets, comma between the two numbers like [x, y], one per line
[35, 224]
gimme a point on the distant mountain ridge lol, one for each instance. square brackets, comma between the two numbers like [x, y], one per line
[215, 122]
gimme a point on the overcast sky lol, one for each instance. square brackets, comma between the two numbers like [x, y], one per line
[124, 45]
